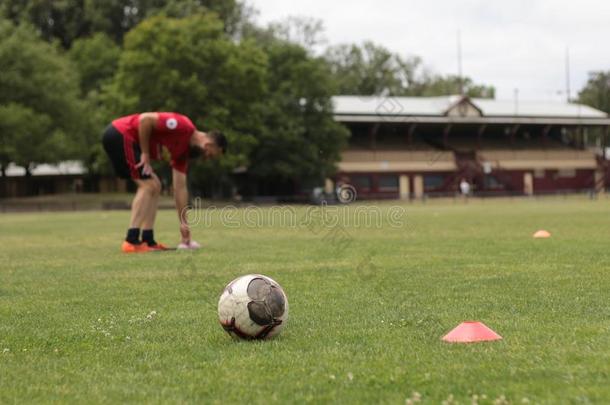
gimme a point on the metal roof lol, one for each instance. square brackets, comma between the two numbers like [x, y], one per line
[62, 168]
[505, 108]
[392, 105]
[439, 107]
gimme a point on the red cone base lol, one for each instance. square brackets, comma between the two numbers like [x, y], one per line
[468, 332]
[542, 234]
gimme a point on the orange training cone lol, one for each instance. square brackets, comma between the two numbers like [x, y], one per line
[471, 331]
[542, 234]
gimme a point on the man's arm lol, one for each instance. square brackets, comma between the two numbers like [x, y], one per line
[181, 196]
[147, 122]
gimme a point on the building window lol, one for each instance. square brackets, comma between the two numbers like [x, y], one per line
[362, 183]
[492, 182]
[388, 183]
[566, 173]
[433, 181]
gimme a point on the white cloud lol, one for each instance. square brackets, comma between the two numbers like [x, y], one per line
[509, 44]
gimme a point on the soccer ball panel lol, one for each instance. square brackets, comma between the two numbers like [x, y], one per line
[253, 307]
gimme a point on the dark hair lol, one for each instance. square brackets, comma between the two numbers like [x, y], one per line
[195, 152]
[219, 139]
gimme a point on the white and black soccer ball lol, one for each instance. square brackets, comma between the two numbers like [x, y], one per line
[253, 307]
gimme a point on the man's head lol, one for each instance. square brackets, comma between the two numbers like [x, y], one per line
[208, 145]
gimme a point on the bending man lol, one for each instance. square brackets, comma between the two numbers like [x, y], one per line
[132, 142]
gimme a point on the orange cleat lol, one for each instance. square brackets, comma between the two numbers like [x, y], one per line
[127, 247]
[157, 246]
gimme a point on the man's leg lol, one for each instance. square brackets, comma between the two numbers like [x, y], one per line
[151, 213]
[140, 209]
[121, 155]
[143, 207]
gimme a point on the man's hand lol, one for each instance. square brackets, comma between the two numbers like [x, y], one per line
[181, 196]
[147, 169]
[192, 246]
[185, 233]
[147, 122]
[187, 242]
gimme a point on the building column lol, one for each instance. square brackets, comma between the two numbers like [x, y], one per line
[403, 187]
[528, 183]
[418, 186]
[329, 186]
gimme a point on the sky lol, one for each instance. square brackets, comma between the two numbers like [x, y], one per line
[517, 46]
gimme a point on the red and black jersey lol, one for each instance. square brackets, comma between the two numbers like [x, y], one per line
[173, 131]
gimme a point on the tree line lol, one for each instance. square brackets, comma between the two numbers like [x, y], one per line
[67, 68]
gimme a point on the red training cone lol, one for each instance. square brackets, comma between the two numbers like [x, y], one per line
[471, 331]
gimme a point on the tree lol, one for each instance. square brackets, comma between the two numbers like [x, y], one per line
[63, 20]
[596, 92]
[196, 70]
[436, 85]
[29, 136]
[272, 101]
[371, 69]
[8, 145]
[68, 20]
[306, 32]
[39, 112]
[232, 13]
[300, 141]
[96, 59]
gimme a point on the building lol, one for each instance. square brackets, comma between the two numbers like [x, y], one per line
[412, 147]
[416, 146]
[64, 177]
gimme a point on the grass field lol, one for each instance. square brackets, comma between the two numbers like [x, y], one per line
[81, 322]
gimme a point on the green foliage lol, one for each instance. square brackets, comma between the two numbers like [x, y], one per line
[304, 31]
[230, 12]
[444, 85]
[300, 140]
[68, 20]
[31, 136]
[195, 70]
[596, 92]
[62, 20]
[273, 102]
[96, 59]
[39, 109]
[372, 69]
[9, 123]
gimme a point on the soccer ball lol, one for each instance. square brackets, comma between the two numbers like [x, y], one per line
[253, 307]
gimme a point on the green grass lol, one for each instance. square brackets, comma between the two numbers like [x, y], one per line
[72, 201]
[367, 309]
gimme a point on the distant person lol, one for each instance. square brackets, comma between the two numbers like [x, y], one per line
[132, 142]
[465, 188]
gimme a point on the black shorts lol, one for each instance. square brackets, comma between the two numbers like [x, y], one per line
[123, 153]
